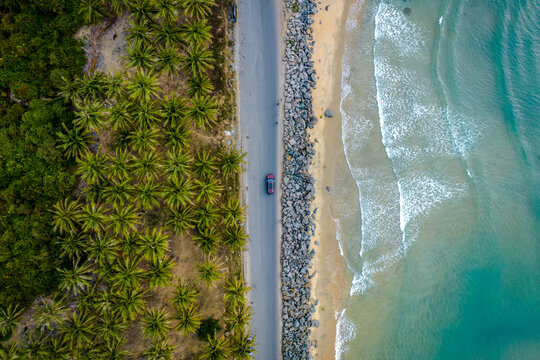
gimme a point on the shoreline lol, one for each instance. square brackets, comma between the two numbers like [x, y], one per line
[330, 276]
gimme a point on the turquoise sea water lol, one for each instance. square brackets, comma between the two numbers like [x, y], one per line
[441, 130]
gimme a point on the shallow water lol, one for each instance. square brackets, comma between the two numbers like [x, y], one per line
[441, 110]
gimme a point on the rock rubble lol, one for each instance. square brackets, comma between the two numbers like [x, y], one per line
[297, 186]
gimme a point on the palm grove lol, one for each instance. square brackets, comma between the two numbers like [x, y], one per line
[151, 173]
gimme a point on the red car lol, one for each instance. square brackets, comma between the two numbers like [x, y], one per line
[270, 183]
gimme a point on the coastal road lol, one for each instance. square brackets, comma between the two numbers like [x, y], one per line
[259, 73]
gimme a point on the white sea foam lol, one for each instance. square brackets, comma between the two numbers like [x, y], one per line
[392, 23]
[346, 331]
[393, 198]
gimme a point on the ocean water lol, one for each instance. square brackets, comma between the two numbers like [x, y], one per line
[441, 131]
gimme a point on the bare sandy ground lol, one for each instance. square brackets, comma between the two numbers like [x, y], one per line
[330, 279]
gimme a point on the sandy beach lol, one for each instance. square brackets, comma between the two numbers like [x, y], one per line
[330, 279]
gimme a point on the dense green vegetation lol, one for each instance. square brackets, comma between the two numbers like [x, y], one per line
[153, 175]
[37, 49]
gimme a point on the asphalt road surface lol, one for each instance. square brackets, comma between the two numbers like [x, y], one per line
[258, 69]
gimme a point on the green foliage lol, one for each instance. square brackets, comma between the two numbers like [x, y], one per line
[208, 329]
[155, 323]
[185, 295]
[9, 317]
[197, 9]
[216, 349]
[33, 177]
[188, 320]
[209, 271]
[159, 350]
[242, 346]
[37, 46]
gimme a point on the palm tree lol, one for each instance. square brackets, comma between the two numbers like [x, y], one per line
[232, 212]
[92, 167]
[123, 219]
[238, 317]
[235, 238]
[76, 279]
[92, 11]
[130, 302]
[168, 60]
[34, 348]
[148, 166]
[185, 295]
[103, 249]
[92, 85]
[205, 164]
[116, 84]
[144, 139]
[127, 274]
[111, 325]
[197, 61]
[177, 137]
[66, 215]
[159, 350]
[177, 163]
[147, 114]
[140, 56]
[188, 319]
[118, 192]
[56, 348]
[139, 33]
[104, 299]
[148, 194]
[87, 300]
[234, 292]
[197, 33]
[74, 142]
[129, 244]
[154, 244]
[93, 192]
[215, 349]
[92, 217]
[74, 246]
[69, 90]
[197, 9]
[173, 110]
[9, 317]
[167, 10]
[209, 271]
[202, 111]
[209, 190]
[11, 352]
[207, 239]
[199, 86]
[143, 86]
[78, 329]
[117, 7]
[160, 272]
[178, 193]
[231, 161]
[113, 349]
[181, 220]
[119, 165]
[155, 323]
[242, 346]
[168, 35]
[142, 10]
[207, 215]
[120, 116]
[89, 115]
